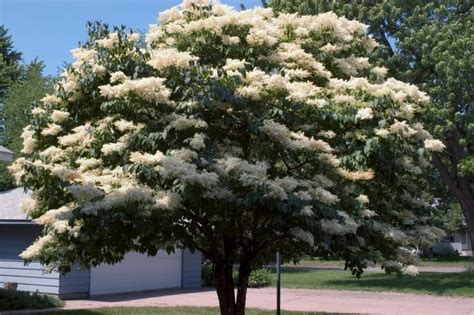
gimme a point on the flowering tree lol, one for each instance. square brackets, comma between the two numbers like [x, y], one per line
[233, 133]
[441, 65]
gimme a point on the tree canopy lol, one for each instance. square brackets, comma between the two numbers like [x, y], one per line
[20, 86]
[9, 61]
[430, 44]
[9, 69]
[233, 133]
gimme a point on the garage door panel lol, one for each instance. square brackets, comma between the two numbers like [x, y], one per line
[138, 272]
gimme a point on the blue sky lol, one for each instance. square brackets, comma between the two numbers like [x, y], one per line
[49, 29]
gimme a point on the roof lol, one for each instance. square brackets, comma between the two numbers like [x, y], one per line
[5, 154]
[5, 150]
[10, 205]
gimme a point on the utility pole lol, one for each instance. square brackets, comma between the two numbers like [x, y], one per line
[278, 283]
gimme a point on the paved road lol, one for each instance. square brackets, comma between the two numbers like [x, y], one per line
[338, 301]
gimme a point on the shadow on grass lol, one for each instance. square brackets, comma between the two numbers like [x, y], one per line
[467, 259]
[448, 284]
[298, 270]
[434, 283]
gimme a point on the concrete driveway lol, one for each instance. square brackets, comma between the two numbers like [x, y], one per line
[337, 301]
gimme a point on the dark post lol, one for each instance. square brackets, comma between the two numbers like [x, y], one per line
[278, 282]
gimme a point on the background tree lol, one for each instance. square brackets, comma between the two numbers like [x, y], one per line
[430, 44]
[233, 133]
[20, 87]
[9, 69]
[9, 72]
[9, 61]
[450, 217]
[19, 99]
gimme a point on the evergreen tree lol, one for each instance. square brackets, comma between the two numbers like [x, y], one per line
[9, 71]
[20, 87]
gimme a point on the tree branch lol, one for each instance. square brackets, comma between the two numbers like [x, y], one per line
[445, 175]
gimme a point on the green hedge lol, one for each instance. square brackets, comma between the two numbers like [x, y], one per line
[258, 278]
[16, 300]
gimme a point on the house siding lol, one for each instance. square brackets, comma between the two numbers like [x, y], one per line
[459, 242]
[190, 269]
[137, 272]
[75, 284]
[14, 239]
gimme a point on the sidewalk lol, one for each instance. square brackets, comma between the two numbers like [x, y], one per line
[337, 301]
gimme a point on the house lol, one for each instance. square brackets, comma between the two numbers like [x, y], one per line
[458, 242]
[5, 154]
[137, 272]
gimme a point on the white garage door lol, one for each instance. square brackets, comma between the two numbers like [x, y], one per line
[137, 272]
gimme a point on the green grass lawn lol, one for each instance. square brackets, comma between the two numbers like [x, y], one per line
[435, 262]
[165, 311]
[321, 262]
[460, 284]
[448, 262]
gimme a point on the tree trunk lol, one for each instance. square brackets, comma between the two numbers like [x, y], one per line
[459, 187]
[467, 205]
[228, 303]
[242, 285]
[225, 288]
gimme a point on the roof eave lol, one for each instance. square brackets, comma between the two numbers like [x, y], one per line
[16, 222]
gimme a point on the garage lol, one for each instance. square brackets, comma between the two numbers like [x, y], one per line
[137, 272]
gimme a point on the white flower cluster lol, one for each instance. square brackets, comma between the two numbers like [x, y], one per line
[146, 158]
[28, 140]
[63, 213]
[29, 204]
[59, 116]
[33, 250]
[264, 28]
[151, 89]
[336, 227]
[352, 65]
[434, 145]
[186, 172]
[166, 200]
[410, 270]
[303, 235]
[180, 122]
[167, 57]
[293, 140]
[108, 42]
[292, 56]
[397, 90]
[365, 113]
[82, 135]
[403, 129]
[118, 76]
[119, 197]
[51, 130]
[248, 174]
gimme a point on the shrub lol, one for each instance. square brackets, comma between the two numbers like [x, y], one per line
[207, 275]
[15, 300]
[258, 278]
[261, 278]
